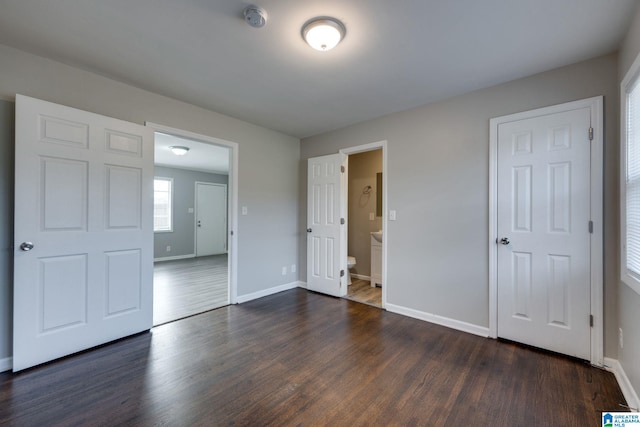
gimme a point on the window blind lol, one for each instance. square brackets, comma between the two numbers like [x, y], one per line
[633, 181]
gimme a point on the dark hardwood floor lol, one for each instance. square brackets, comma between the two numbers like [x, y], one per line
[299, 358]
[185, 287]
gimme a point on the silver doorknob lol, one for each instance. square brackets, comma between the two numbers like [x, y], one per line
[26, 246]
[505, 241]
[309, 230]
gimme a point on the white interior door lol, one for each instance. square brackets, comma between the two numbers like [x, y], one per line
[211, 219]
[83, 259]
[326, 254]
[543, 222]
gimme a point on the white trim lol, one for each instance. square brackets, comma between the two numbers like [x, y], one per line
[173, 258]
[6, 364]
[595, 104]
[630, 395]
[440, 320]
[266, 292]
[385, 203]
[302, 284]
[630, 78]
[360, 276]
[232, 215]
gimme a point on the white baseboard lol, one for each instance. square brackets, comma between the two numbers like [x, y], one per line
[266, 292]
[302, 285]
[628, 391]
[6, 364]
[173, 258]
[361, 276]
[439, 320]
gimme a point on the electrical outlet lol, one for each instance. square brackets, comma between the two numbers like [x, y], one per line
[293, 268]
[168, 248]
[284, 271]
[245, 210]
[620, 338]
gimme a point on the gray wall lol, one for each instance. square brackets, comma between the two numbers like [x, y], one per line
[362, 172]
[181, 239]
[629, 300]
[438, 182]
[268, 164]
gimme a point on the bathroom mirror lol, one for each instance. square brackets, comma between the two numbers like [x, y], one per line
[379, 194]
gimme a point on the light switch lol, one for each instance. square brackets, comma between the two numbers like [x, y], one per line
[245, 210]
[392, 215]
[372, 216]
[190, 210]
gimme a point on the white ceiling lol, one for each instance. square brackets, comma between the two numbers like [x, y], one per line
[200, 157]
[396, 54]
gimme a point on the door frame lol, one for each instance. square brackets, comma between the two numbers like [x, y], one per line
[345, 198]
[595, 105]
[195, 213]
[232, 198]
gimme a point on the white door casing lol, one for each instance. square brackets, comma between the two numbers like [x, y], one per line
[84, 198]
[326, 254]
[545, 277]
[211, 219]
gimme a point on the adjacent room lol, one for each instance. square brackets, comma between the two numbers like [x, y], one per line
[319, 212]
[190, 273]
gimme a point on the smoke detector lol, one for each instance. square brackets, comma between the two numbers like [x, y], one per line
[255, 16]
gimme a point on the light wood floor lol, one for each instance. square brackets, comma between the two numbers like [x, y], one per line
[298, 358]
[186, 287]
[361, 291]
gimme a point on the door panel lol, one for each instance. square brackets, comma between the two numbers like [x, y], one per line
[544, 286]
[326, 256]
[84, 198]
[211, 219]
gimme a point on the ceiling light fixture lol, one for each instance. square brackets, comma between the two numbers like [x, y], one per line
[179, 150]
[323, 33]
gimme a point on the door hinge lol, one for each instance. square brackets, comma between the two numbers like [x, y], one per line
[342, 169]
[341, 273]
[591, 227]
[341, 221]
[590, 134]
[591, 320]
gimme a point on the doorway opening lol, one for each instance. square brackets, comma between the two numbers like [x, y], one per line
[364, 227]
[194, 208]
[365, 231]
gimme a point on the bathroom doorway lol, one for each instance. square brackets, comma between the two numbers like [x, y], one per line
[365, 231]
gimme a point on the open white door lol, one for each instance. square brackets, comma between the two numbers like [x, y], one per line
[326, 254]
[83, 258]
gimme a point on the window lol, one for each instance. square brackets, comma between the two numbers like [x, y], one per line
[162, 204]
[630, 177]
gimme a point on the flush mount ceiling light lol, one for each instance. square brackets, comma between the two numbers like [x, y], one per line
[323, 33]
[179, 150]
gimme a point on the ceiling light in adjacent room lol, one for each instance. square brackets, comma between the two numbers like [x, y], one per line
[323, 33]
[179, 150]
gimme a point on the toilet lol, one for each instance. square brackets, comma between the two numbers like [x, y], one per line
[351, 262]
